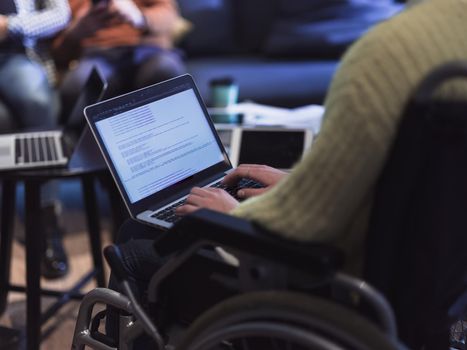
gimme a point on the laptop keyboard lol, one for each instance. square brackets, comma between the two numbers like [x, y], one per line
[168, 214]
[35, 149]
[243, 183]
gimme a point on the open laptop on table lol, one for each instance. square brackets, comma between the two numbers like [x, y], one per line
[53, 147]
[159, 142]
[277, 146]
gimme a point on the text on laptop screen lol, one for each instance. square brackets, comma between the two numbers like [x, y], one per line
[159, 144]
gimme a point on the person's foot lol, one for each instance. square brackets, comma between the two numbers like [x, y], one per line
[54, 262]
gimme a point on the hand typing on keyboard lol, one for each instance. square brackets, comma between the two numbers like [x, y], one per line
[246, 181]
[207, 197]
[263, 174]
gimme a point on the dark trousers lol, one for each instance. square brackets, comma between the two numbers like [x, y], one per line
[193, 289]
[26, 92]
[136, 244]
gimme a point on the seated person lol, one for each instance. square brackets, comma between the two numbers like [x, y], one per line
[328, 195]
[26, 89]
[26, 67]
[130, 41]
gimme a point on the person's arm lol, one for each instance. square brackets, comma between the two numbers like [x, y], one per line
[42, 23]
[324, 191]
[160, 16]
[325, 194]
[87, 20]
[154, 16]
[3, 27]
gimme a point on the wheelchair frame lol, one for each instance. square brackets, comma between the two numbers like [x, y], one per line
[265, 271]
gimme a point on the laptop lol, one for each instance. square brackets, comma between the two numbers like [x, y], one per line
[278, 147]
[53, 147]
[159, 142]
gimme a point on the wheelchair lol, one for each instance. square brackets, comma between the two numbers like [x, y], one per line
[273, 306]
[291, 295]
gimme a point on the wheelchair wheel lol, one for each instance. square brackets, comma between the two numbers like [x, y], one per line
[282, 320]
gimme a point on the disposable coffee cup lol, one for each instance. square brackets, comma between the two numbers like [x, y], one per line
[224, 93]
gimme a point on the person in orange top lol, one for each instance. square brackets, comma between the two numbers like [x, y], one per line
[130, 41]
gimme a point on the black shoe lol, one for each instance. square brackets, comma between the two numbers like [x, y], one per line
[54, 262]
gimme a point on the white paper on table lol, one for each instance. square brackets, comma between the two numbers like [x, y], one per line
[255, 114]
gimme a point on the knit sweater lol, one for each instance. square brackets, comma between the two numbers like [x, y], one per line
[328, 195]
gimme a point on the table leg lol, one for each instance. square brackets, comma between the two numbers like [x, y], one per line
[34, 247]
[92, 216]
[6, 237]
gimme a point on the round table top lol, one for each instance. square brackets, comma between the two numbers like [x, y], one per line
[42, 174]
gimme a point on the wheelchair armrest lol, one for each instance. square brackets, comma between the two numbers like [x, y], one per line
[237, 234]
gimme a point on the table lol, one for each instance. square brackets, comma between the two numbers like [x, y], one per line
[33, 180]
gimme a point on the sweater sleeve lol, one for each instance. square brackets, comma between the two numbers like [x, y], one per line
[323, 193]
[320, 196]
[42, 23]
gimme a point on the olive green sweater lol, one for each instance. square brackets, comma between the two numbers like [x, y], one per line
[328, 195]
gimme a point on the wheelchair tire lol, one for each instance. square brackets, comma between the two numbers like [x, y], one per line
[283, 318]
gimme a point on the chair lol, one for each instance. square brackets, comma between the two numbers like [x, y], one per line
[417, 235]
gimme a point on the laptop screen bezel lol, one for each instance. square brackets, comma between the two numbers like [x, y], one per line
[95, 85]
[114, 106]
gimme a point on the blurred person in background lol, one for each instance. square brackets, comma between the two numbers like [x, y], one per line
[130, 41]
[26, 90]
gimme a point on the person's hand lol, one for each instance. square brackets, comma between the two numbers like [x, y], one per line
[99, 16]
[130, 12]
[265, 175]
[207, 197]
[3, 27]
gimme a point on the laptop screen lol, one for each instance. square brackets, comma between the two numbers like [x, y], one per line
[159, 144]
